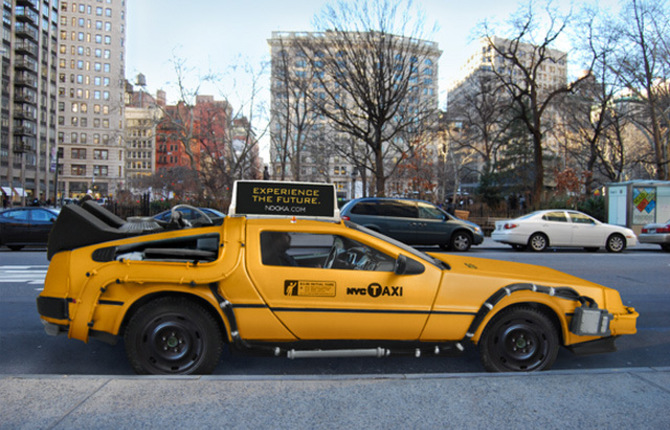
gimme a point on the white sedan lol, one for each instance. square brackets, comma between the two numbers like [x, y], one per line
[557, 227]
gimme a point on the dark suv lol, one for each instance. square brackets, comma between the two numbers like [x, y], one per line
[414, 222]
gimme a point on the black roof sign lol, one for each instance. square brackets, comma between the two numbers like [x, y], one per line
[299, 199]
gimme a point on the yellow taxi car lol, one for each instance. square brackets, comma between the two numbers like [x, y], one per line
[283, 275]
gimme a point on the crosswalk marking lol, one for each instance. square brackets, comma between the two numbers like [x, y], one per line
[33, 275]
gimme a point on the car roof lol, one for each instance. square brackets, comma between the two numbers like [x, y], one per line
[383, 199]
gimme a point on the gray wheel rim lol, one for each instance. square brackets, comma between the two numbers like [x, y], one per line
[538, 242]
[616, 244]
[461, 242]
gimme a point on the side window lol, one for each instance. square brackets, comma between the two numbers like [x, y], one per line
[321, 251]
[427, 211]
[398, 209]
[578, 218]
[555, 216]
[365, 208]
[19, 215]
[40, 215]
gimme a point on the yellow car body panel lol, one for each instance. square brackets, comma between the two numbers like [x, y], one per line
[345, 311]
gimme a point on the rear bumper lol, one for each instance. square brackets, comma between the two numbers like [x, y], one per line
[53, 307]
[654, 238]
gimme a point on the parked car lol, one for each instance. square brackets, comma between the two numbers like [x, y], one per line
[189, 213]
[414, 222]
[24, 226]
[307, 285]
[656, 233]
[540, 230]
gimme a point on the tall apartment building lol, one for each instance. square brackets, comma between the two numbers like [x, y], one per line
[28, 99]
[143, 113]
[313, 156]
[91, 97]
[485, 59]
[480, 78]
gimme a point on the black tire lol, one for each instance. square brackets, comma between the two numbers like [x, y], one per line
[460, 241]
[615, 243]
[538, 242]
[15, 247]
[665, 247]
[175, 336]
[519, 339]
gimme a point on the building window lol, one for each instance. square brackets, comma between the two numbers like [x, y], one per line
[78, 153]
[78, 170]
[100, 154]
[100, 170]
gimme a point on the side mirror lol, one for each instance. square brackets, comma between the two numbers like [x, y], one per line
[400, 265]
[407, 266]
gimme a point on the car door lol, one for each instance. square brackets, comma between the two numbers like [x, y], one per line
[586, 231]
[318, 301]
[41, 221]
[557, 227]
[15, 226]
[400, 219]
[432, 225]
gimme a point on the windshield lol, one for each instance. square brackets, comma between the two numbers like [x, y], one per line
[440, 264]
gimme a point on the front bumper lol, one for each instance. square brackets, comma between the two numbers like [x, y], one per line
[624, 323]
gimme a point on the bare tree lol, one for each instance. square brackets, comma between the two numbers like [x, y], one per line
[643, 65]
[525, 55]
[476, 119]
[370, 63]
[221, 144]
[294, 117]
[591, 122]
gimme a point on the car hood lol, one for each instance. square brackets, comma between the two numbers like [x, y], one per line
[511, 272]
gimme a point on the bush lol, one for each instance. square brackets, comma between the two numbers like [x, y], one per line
[594, 206]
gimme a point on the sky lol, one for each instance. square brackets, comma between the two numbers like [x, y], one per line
[225, 36]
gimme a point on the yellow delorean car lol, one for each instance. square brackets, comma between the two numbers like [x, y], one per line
[284, 276]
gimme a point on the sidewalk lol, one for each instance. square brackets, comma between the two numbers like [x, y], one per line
[611, 398]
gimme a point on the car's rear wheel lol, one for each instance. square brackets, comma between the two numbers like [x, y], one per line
[616, 243]
[173, 336]
[521, 339]
[538, 242]
[460, 241]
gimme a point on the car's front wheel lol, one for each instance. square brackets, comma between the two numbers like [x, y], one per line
[519, 339]
[173, 336]
[538, 242]
[616, 243]
[460, 241]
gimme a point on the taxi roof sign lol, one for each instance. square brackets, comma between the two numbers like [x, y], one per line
[292, 199]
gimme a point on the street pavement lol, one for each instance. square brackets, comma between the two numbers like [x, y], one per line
[597, 399]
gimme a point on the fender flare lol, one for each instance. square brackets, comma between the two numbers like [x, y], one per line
[566, 293]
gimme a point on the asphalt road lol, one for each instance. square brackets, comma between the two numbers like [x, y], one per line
[640, 274]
